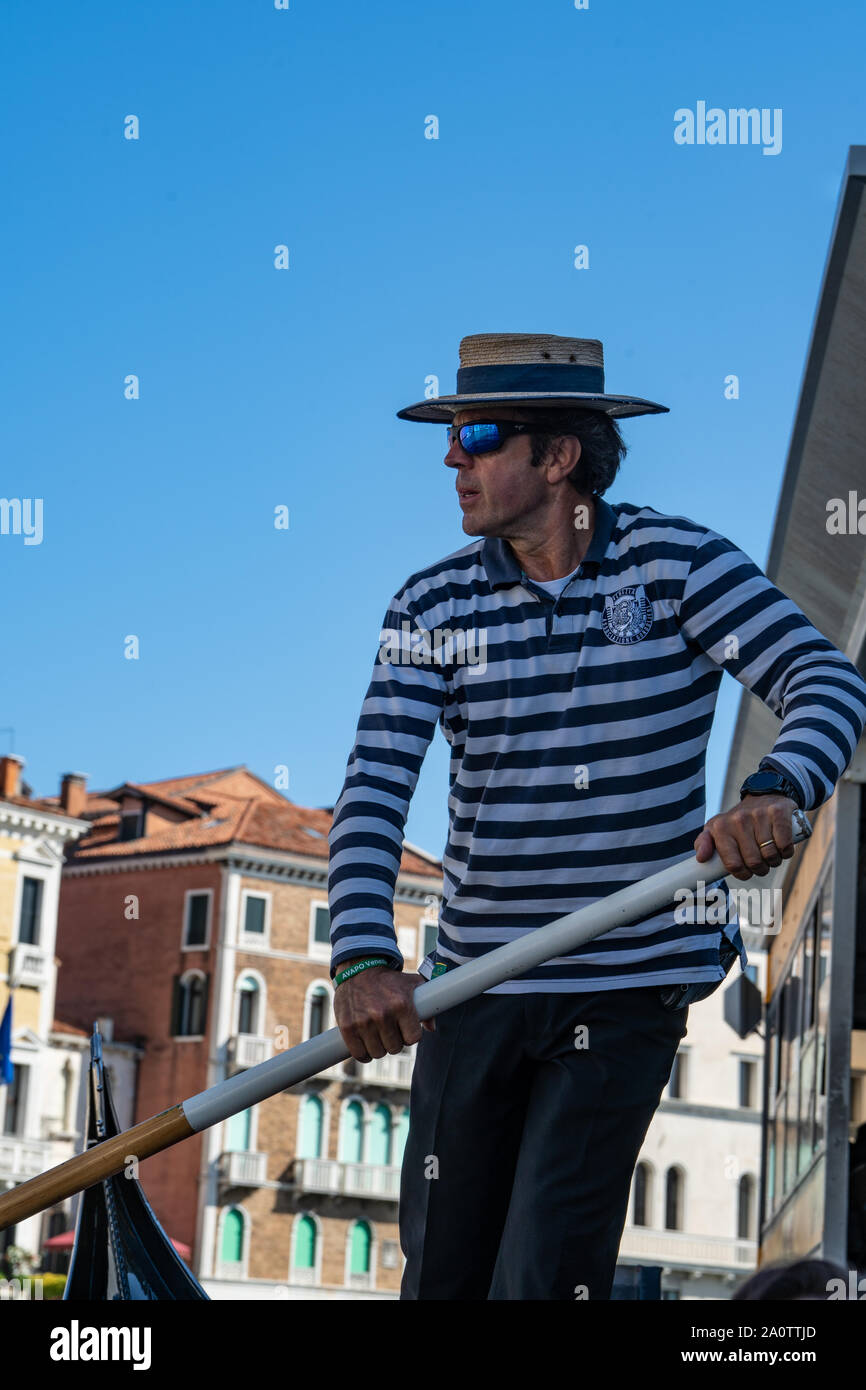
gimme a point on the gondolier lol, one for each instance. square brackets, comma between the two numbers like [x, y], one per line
[572, 654]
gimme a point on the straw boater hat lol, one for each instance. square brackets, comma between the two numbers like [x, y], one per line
[529, 369]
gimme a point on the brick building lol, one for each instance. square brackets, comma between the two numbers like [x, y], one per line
[42, 1109]
[194, 915]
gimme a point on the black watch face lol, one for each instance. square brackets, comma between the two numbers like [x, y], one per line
[763, 781]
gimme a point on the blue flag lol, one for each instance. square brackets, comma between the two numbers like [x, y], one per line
[7, 1071]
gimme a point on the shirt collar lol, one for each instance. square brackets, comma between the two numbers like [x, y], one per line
[503, 567]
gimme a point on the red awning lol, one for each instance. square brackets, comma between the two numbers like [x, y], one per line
[67, 1240]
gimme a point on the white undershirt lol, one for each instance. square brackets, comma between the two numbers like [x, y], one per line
[555, 586]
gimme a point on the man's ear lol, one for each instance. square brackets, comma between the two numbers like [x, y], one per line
[564, 454]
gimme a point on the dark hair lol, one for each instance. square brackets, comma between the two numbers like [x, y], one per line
[602, 446]
[802, 1279]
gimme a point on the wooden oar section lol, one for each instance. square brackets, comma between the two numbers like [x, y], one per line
[111, 1156]
[299, 1063]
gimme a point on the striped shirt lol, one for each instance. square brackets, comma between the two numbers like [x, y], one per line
[578, 728]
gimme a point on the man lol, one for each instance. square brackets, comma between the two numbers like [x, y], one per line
[576, 686]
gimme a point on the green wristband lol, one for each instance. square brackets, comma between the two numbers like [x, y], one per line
[358, 967]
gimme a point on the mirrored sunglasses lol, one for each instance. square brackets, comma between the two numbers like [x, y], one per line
[484, 436]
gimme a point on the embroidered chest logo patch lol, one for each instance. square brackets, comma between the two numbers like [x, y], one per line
[628, 615]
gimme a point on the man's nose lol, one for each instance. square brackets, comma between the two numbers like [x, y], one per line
[457, 456]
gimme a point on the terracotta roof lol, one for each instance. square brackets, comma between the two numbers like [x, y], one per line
[232, 782]
[167, 785]
[58, 1027]
[96, 801]
[51, 804]
[261, 819]
[146, 791]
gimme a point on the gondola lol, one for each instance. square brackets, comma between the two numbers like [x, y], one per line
[120, 1251]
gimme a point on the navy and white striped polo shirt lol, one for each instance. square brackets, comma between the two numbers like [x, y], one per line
[578, 729]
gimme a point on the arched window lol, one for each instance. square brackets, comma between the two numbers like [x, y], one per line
[352, 1133]
[319, 1002]
[232, 1247]
[249, 999]
[642, 1195]
[361, 1244]
[746, 1207]
[674, 1184]
[400, 1134]
[305, 1243]
[380, 1136]
[189, 1005]
[311, 1127]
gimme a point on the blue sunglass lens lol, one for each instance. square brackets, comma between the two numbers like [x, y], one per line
[480, 439]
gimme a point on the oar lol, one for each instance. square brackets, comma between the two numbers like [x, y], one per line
[300, 1063]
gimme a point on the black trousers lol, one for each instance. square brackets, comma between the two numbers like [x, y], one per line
[527, 1115]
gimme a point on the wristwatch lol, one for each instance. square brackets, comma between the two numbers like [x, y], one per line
[767, 780]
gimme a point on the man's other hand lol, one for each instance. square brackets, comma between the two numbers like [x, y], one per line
[739, 833]
[375, 1011]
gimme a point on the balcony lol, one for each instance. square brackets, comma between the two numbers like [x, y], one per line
[371, 1180]
[318, 1175]
[682, 1248]
[335, 1073]
[394, 1069]
[21, 1159]
[244, 1168]
[375, 1181]
[248, 1049]
[29, 965]
[391, 1070]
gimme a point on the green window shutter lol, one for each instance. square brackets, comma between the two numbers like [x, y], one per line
[351, 1133]
[310, 1130]
[237, 1134]
[318, 1011]
[322, 926]
[248, 1011]
[196, 921]
[199, 1021]
[175, 1006]
[233, 1238]
[359, 1258]
[380, 1136]
[254, 916]
[401, 1133]
[31, 910]
[305, 1244]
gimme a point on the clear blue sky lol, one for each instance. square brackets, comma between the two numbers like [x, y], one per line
[262, 387]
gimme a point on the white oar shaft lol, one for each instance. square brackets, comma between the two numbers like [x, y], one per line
[533, 948]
